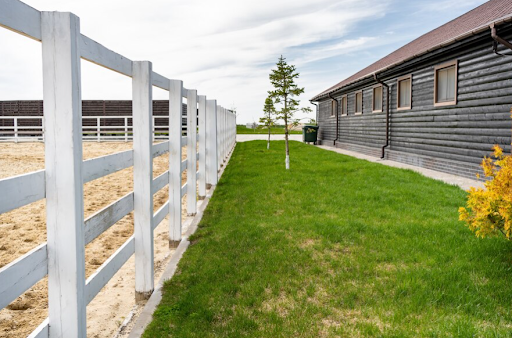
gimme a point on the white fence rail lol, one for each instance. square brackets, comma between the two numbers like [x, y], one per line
[61, 183]
[96, 130]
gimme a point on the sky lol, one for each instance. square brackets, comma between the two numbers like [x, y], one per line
[225, 48]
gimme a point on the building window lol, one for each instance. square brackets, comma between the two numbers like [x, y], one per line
[445, 84]
[359, 103]
[333, 107]
[404, 92]
[344, 106]
[377, 99]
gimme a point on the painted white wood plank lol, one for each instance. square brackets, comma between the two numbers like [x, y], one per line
[175, 145]
[191, 150]
[94, 52]
[20, 18]
[96, 224]
[160, 148]
[21, 190]
[160, 182]
[183, 165]
[108, 269]
[21, 274]
[160, 214]
[63, 168]
[184, 189]
[219, 137]
[211, 142]
[142, 90]
[42, 331]
[160, 81]
[106, 165]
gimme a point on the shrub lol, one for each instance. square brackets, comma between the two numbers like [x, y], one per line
[489, 211]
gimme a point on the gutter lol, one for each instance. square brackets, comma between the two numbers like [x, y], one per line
[475, 31]
[337, 119]
[498, 39]
[387, 113]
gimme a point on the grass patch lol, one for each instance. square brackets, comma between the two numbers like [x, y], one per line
[334, 247]
[240, 129]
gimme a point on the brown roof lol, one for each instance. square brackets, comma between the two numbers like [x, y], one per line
[474, 21]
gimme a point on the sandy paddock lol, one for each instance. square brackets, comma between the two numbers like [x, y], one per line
[23, 229]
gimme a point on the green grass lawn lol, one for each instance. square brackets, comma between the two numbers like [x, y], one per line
[274, 130]
[334, 247]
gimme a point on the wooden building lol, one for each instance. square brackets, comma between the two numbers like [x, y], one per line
[440, 102]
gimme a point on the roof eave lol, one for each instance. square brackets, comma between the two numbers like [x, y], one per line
[441, 45]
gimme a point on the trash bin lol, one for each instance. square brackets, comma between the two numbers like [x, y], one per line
[309, 134]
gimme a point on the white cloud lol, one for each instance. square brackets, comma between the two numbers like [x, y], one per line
[224, 48]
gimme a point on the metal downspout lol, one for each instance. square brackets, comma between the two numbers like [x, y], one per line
[387, 113]
[497, 40]
[317, 111]
[337, 119]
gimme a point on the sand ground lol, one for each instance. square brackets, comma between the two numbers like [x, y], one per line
[23, 229]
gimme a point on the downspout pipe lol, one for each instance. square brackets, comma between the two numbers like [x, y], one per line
[498, 39]
[387, 113]
[316, 111]
[337, 119]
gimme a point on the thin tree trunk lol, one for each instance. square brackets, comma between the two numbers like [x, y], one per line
[268, 142]
[269, 125]
[287, 160]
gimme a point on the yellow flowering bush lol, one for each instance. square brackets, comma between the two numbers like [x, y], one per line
[489, 211]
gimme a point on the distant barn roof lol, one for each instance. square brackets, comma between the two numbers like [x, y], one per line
[474, 21]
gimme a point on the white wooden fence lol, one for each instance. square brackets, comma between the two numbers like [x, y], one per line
[95, 131]
[61, 182]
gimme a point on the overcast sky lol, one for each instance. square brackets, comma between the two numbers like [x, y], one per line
[225, 48]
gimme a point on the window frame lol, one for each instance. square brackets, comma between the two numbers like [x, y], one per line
[398, 80]
[333, 109]
[355, 103]
[344, 105]
[454, 63]
[381, 99]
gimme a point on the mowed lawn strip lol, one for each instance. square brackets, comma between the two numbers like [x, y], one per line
[336, 246]
[262, 130]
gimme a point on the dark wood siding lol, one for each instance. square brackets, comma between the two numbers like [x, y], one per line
[463, 133]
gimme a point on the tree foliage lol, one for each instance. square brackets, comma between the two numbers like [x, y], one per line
[268, 119]
[488, 211]
[285, 94]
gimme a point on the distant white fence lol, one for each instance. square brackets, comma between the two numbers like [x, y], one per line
[61, 183]
[95, 131]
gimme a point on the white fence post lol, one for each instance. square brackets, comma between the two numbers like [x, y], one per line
[15, 130]
[211, 143]
[224, 134]
[191, 152]
[143, 177]
[98, 122]
[219, 138]
[42, 128]
[63, 171]
[153, 136]
[202, 147]
[175, 133]
[224, 113]
[126, 129]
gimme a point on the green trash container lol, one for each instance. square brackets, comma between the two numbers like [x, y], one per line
[309, 134]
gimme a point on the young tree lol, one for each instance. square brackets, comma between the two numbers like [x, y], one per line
[284, 93]
[268, 119]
